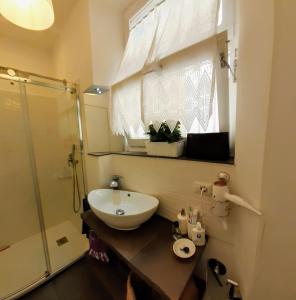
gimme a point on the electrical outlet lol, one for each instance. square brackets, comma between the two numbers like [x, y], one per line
[199, 185]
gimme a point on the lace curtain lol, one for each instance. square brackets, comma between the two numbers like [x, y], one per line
[125, 110]
[182, 89]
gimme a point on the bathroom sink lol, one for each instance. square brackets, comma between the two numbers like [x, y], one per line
[122, 210]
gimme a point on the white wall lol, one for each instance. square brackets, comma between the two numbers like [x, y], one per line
[72, 51]
[21, 56]
[275, 269]
[96, 121]
[106, 40]
[255, 58]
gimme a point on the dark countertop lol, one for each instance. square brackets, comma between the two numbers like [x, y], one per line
[148, 252]
[230, 161]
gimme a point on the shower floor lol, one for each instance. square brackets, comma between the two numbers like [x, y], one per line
[23, 263]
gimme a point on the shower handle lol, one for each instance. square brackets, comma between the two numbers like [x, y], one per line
[72, 162]
[71, 157]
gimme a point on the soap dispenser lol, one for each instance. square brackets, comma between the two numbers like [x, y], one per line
[198, 235]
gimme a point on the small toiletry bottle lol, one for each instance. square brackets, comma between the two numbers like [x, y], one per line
[191, 221]
[198, 235]
[182, 220]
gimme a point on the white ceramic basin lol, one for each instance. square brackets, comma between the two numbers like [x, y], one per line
[122, 209]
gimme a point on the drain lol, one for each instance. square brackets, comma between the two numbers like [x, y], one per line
[120, 212]
[62, 241]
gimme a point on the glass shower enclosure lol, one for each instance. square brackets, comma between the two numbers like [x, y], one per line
[41, 180]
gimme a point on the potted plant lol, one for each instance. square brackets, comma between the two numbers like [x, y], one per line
[165, 142]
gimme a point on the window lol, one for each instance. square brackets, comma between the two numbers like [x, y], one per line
[174, 73]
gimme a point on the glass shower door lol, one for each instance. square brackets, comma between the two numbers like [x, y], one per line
[22, 247]
[55, 135]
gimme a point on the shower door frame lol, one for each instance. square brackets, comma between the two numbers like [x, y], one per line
[23, 78]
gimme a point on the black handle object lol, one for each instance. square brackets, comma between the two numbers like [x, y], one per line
[85, 227]
[185, 250]
[176, 231]
[217, 269]
[234, 293]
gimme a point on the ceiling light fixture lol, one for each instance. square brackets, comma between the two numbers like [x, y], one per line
[29, 14]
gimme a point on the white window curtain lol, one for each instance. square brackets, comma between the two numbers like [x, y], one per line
[125, 109]
[183, 88]
[138, 48]
[183, 23]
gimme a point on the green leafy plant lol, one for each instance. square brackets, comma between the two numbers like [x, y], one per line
[164, 134]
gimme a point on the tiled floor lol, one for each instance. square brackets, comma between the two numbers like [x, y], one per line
[79, 282]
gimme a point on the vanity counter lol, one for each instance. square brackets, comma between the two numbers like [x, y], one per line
[148, 252]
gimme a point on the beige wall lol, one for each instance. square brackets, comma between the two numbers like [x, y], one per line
[255, 58]
[72, 50]
[106, 40]
[276, 261]
[97, 133]
[16, 183]
[97, 137]
[21, 56]
[97, 130]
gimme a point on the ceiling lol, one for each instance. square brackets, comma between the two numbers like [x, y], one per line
[41, 39]
[45, 39]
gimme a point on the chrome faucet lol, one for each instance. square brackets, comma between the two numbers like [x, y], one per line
[114, 183]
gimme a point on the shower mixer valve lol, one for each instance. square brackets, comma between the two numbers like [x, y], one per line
[71, 160]
[71, 157]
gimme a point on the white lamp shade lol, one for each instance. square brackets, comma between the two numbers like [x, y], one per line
[29, 14]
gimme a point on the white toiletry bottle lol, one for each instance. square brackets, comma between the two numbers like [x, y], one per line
[192, 219]
[182, 220]
[198, 235]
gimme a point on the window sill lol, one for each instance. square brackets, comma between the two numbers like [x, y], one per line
[230, 161]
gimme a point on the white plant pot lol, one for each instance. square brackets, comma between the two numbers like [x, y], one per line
[165, 149]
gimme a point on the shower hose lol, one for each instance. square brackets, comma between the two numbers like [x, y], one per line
[76, 206]
[76, 189]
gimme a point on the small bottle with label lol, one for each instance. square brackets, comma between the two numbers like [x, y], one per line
[198, 235]
[182, 220]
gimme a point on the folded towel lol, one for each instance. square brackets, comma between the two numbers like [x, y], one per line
[97, 248]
